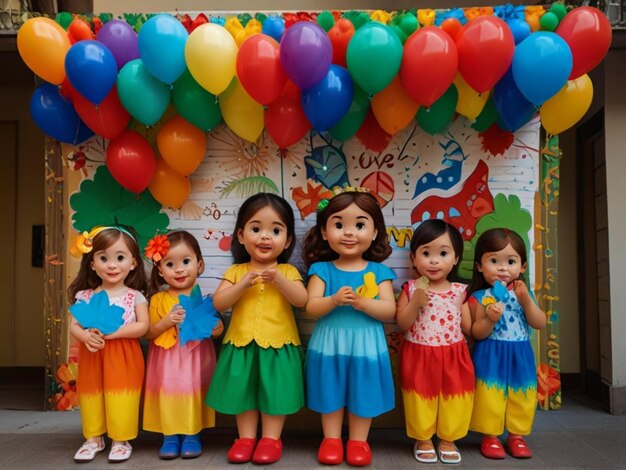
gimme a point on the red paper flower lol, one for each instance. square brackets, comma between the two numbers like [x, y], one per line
[548, 382]
[308, 199]
[157, 248]
[495, 140]
[66, 398]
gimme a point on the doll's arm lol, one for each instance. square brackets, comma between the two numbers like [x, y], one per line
[407, 310]
[227, 294]
[293, 291]
[466, 319]
[383, 308]
[535, 317]
[138, 328]
[317, 305]
[483, 323]
[92, 339]
[174, 317]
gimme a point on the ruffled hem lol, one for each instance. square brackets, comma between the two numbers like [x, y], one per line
[276, 344]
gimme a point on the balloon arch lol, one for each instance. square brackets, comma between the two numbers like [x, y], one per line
[296, 71]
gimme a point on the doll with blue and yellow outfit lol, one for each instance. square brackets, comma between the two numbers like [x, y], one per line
[503, 309]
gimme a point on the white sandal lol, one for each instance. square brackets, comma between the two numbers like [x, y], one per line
[417, 453]
[120, 452]
[450, 456]
[88, 451]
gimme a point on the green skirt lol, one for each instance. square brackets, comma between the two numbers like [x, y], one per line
[252, 378]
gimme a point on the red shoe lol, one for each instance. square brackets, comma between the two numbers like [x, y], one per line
[358, 453]
[241, 451]
[491, 447]
[331, 451]
[267, 451]
[518, 448]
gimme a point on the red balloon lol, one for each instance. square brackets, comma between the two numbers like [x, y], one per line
[108, 119]
[340, 36]
[131, 161]
[587, 31]
[259, 69]
[429, 64]
[485, 48]
[284, 118]
[66, 90]
[452, 26]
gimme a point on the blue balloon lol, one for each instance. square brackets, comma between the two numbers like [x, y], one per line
[162, 42]
[274, 26]
[519, 28]
[326, 102]
[56, 116]
[513, 108]
[541, 66]
[91, 69]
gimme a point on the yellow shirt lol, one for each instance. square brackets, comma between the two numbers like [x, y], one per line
[160, 305]
[262, 313]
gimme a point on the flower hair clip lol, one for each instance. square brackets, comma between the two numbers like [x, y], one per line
[323, 204]
[157, 248]
[84, 241]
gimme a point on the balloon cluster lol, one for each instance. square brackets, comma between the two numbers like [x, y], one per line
[291, 76]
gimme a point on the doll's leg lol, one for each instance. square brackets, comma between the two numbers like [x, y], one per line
[247, 423]
[331, 423]
[272, 426]
[241, 451]
[331, 449]
[358, 451]
[270, 447]
[359, 427]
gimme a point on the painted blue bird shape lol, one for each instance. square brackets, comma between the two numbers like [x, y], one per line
[327, 164]
[98, 314]
[201, 316]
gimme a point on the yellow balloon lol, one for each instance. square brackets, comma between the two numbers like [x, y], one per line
[169, 187]
[241, 113]
[393, 108]
[568, 106]
[43, 44]
[211, 56]
[470, 103]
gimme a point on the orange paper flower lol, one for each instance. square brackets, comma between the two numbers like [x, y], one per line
[157, 248]
[548, 382]
[67, 398]
[307, 200]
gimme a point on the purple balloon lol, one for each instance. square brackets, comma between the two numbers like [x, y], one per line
[305, 53]
[121, 40]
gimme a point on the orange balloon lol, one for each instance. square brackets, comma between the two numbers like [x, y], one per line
[80, 30]
[169, 187]
[43, 44]
[182, 145]
[393, 108]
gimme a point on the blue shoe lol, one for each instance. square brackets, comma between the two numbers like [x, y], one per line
[170, 448]
[192, 447]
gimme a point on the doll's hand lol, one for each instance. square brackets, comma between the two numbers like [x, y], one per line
[494, 312]
[521, 291]
[218, 330]
[344, 296]
[269, 274]
[419, 297]
[251, 278]
[176, 316]
[93, 340]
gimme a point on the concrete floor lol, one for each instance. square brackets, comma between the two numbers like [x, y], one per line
[578, 436]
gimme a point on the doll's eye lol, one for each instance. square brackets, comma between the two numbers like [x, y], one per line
[426, 253]
[492, 261]
[277, 231]
[256, 229]
[338, 225]
[511, 262]
[120, 258]
[186, 261]
[443, 254]
[360, 226]
[103, 259]
[169, 264]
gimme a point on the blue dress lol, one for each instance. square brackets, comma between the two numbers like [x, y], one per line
[347, 362]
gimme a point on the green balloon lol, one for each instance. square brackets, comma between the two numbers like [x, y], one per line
[326, 20]
[64, 19]
[437, 118]
[357, 18]
[559, 10]
[548, 21]
[374, 55]
[487, 117]
[195, 104]
[404, 25]
[353, 119]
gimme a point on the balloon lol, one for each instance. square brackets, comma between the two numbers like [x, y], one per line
[259, 69]
[211, 54]
[79, 30]
[274, 26]
[353, 119]
[404, 25]
[519, 28]
[485, 47]
[548, 21]
[131, 161]
[43, 44]
[487, 117]
[143, 96]
[161, 43]
[284, 118]
[470, 103]
[196, 104]
[66, 90]
[452, 26]
[393, 107]
[169, 187]
[559, 10]
[108, 119]
[326, 20]
[328, 100]
[568, 106]
[121, 40]
[371, 135]
[182, 145]
[541, 65]
[340, 36]
[429, 64]
[436, 119]
[56, 117]
[64, 19]
[374, 56]
[587, 31]
[150, 132]
[91, 69]
[512, 107]
[241, 113]
[305, 53]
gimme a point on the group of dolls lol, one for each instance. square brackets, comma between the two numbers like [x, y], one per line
[261, 374]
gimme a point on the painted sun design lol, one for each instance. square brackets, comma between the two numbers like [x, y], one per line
[238, 157]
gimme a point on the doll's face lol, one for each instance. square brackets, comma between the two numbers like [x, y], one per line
[435, 259]
[350, 232]
[113, 264]
[264, 236]
[180, 268]
[504, 265]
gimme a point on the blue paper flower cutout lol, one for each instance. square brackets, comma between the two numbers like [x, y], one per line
[98, 314]
[500, 292]
[200, 319]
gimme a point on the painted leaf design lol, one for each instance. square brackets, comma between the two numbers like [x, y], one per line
[98, 313]
[246, 187]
